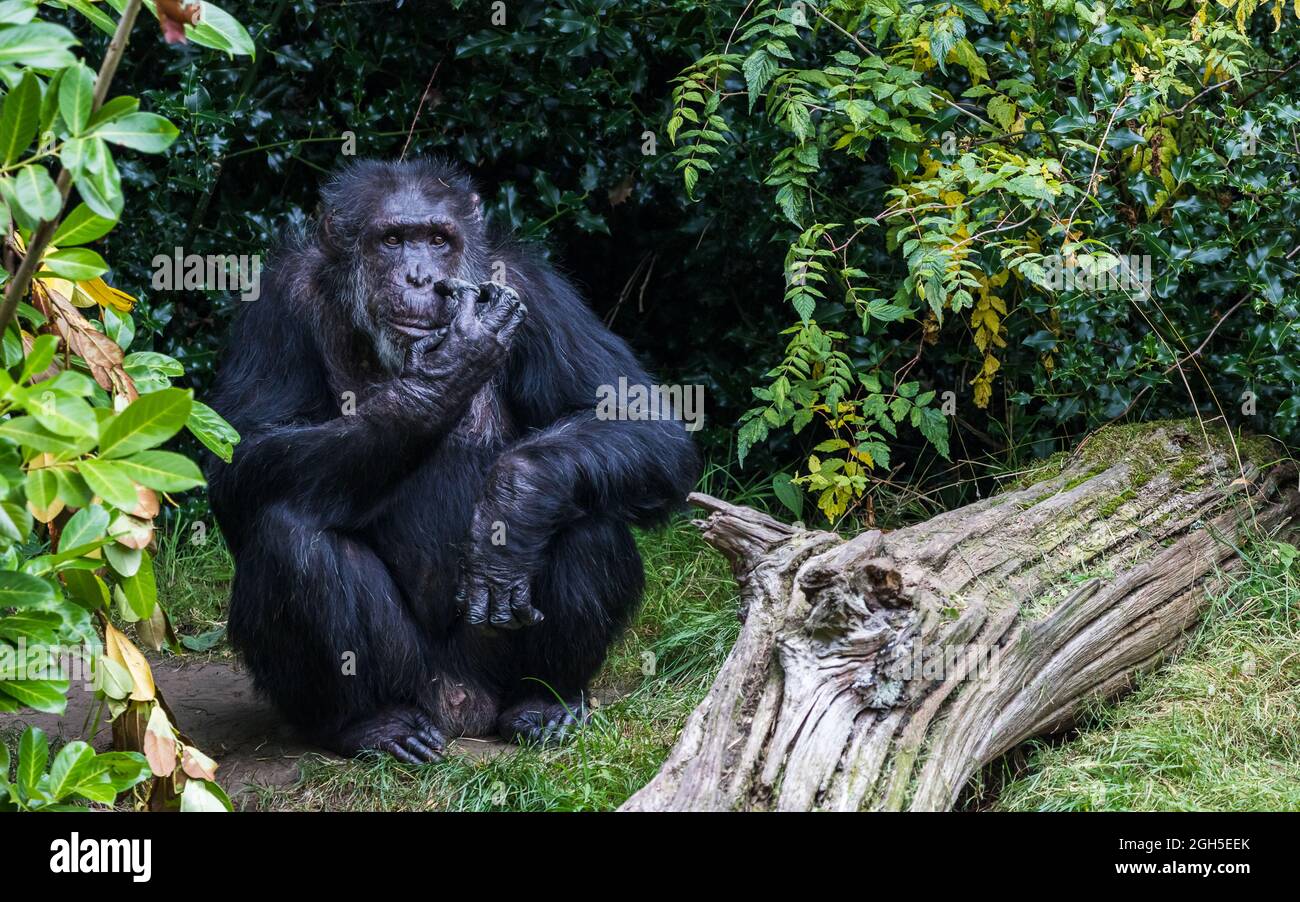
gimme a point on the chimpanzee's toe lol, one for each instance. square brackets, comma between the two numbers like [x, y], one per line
[540, 722]
[406, 733]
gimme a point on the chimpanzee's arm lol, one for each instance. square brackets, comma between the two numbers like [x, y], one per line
[297, 449]
[572, 462]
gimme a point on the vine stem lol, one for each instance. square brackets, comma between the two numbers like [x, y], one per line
[22, 280]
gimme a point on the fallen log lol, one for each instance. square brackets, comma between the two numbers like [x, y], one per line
[882, 672]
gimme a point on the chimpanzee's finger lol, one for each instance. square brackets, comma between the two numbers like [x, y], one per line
[492, 293]
[395, 749]
[422, 750]
[433, 739]
[476, 601]
[463, 294]
[503, 615]
[521, 605]
[507, 332]
[505, 303]
[422, 347]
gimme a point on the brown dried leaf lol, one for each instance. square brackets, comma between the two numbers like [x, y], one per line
[147, 506]
[100, 352]
[131, 531]
[153, 632]
[198, 765]
[620, 192]
[160, 743]
[174, 15]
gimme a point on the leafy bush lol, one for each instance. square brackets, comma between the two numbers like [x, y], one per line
[1056, 212]
[81, 422]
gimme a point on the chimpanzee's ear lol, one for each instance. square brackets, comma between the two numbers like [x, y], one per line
[326, 233]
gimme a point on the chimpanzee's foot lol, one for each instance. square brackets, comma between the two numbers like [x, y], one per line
[404, 732]
[545, 722]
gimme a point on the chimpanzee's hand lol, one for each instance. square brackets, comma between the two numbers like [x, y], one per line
[454, 362]
[496, 580]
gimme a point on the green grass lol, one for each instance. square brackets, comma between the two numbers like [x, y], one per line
[1218, 729]
[193, 569]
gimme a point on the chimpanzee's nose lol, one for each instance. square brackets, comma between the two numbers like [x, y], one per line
[418, 277]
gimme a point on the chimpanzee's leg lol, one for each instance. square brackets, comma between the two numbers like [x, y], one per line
[328, 638]
[588, 591]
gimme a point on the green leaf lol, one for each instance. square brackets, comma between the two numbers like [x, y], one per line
[39, 357]
[65, 415]
[221, 31]
[112, 679]
[36, 193]
[934, 426]
[199, 795]
[86, 589]
[15, 522]
[19, 118]
[147, 132]
[101, 20]
[124, 769]
[95, 175]
[27, 432]
[33, 754]
[141, 590]
[39, 45]
[759, 68]
[150, 420]
[76, 94]
[48, 696]
[17, 12]
[22, 590]
[162, 470]
[213, 431]
[114, 109]
[84, 531]
[77, 264]
[68, 768]
[110, 482]
[788, 494]
[125, 561]
[205, 641]
[81, 226]
[42, 488]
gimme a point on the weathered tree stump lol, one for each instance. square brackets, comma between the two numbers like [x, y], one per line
[883, 671]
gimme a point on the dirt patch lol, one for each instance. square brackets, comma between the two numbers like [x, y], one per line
[217, 708]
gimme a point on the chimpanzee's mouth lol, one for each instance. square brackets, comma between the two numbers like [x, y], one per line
[414, 328]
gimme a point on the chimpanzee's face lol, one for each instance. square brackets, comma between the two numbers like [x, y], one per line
[412, 240]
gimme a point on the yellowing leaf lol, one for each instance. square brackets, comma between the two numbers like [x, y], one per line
[118, 647]
[100, 292]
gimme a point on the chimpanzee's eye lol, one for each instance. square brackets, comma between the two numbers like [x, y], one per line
[439, 240]
[392, 239]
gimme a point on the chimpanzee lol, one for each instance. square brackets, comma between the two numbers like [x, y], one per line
[428, 512]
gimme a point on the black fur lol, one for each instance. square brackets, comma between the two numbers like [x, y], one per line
[353, 534]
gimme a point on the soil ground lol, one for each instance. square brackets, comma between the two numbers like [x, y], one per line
[218, 709]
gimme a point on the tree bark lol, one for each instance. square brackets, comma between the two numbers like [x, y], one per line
[883, 671]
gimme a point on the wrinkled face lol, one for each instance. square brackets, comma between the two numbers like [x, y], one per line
[406, 242]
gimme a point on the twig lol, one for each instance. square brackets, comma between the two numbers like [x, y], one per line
[1178, 364]
[420, 108]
